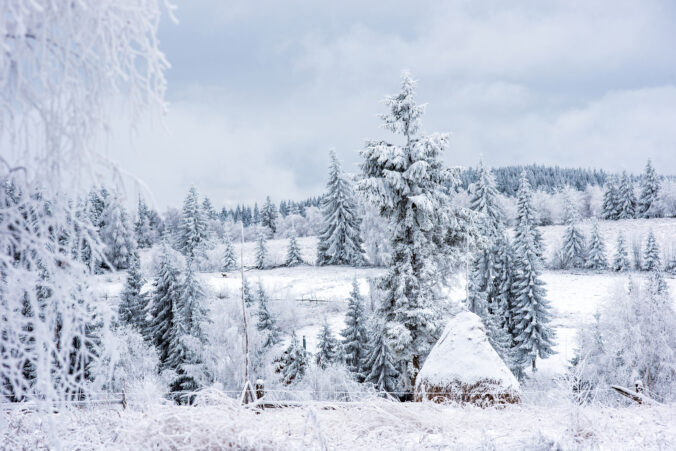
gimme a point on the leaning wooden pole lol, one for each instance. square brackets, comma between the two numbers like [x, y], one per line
[247, 384]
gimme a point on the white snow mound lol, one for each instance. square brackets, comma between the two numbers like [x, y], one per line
[464, 367]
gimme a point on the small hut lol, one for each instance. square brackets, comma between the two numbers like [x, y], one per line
[463, 367]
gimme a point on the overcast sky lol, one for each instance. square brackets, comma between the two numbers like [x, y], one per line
[259, 91]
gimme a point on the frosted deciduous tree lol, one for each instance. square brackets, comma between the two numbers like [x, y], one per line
[621, 261]
[533, 337]
[651, 254]
[408, 183]
[193, 233]
[293, 257]
[340, 242]
[355, 335]
[328, 348]
[60, 70]
[648, 201]
[596, 255]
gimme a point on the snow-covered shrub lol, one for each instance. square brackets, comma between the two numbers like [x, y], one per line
[667, 198]
[508, 207]
[333, 383]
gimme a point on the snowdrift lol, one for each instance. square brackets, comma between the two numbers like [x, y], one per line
[463, 367]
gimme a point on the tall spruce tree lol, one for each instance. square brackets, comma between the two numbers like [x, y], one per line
[650, 189]
[626, 199]
[193, 233]
[143, 230]
[269, 216]
[621, 261]
[133, 302]
[261, 251]
[355, 335]
[117, 235]
[328, 348]
[230, 262]
[379, 364]
[651, 254]
[293, 257]
[340, 240]
[573, 252]
[266, 322]
[408, 183]
[165, 321]
[534, 337]
[596, 255]
[610, 208]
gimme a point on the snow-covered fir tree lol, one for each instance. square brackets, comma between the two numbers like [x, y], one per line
[649, 194]
[503, 269]
[133, 302]
[651, 254]
[261, 251]
[164, 319]
[355, 334]
[208, 209]
[266, 323]
[408, 183]
[269, 216]
[193, 233]
[116, 234]
[534, 336]
[230, 261]
[328, 348]
[295, 362]
[621, 261]
[293, 257]
[379, 362]
[340, 241]
[596, 254]
[98, 201]
[249, 297]
[610, 205]
[193, 305]
[143, 230]
[256, 218]
[573, 251]
[626, 199]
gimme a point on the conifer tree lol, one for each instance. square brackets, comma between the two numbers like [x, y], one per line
[193, 233]
[116, 234]
[256, 219]
[249, 297]
[533, 337]
[328, 348]
[295, 363]
[261, 251]
[142, 227]
[503, 269]
[626, 199]
[610, 208]
[293, 257]
[573, 248]
[650, 188]
[379, 364]
[340, 241]
[651, 254]
[596, 258]
[621, 260]
[266, 323]
[133, 302]
[98, 202]
[208, 209]
[165, 321]
[230, 262]
[194, 311]
[408, 183]
[355, 335]
[269, 216]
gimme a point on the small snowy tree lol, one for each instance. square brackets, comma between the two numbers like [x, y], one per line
[610, 207]
[355, 335]
[143, 231]
[295, 362]
[621, 261]
[328, 348]
[193, 233]
[117, 235]
[596, 257]
[133, 302]
[626, 199]
[261, 251]
[533, 337]
[249, 297]
[379, 364]
[651, 254]
[648, 205]
[266, 323]
[230, 261]
[293, 257]
[269, 216]
[573, 250]
[340, 241]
